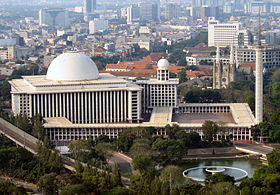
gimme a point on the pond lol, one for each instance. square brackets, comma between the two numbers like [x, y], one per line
[249, 165]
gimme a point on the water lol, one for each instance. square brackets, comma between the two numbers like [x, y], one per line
[248, 165]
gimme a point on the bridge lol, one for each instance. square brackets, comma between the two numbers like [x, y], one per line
[28, 142]
[253, 149]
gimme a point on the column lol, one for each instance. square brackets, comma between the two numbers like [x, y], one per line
[49, 103]
[104, 112]
[111, 106]
[115, 107]
[122, 106]
[118, 106]
[107, 107]
[75, 107]
[129, 106]
[82, 107]
[86, 108]
[89, 107]
[100, 107]
[125, 105]
[96, 107]
[70, 108]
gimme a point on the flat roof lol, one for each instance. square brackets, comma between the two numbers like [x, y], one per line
[240, 116]
[202, 117]
[41, 81]
[39, 84]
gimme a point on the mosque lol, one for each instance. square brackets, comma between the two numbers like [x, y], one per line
[78, 102]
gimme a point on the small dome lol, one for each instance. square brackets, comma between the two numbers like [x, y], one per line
[72, 67]
[163, 64]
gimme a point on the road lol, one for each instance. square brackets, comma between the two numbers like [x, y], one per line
[253, 147]
[123, 165]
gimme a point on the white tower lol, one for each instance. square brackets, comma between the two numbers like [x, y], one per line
[259, 79]
[163, 70]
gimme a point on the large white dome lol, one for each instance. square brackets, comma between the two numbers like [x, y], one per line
[163, 64]
[72, 67]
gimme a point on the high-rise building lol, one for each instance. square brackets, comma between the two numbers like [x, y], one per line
[270, 56]
[53, 17]
[89, 6]
[7, 53]
[149, 11]
[98, 25]
[172, 11]
[133, 13]
[222, 34]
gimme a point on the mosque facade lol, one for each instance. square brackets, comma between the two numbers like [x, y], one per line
[78, 102]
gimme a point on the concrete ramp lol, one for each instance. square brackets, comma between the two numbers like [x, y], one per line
[161, 115]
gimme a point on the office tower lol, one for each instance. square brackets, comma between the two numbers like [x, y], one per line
[89, 6]
[53, 17]
[197, 3]
[98, 25]
[172, 11]
[133, 12]
[222, 33]
[149, 11]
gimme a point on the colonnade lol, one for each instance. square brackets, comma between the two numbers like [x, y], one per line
[204, 109]
[68, 134]
[89, 107]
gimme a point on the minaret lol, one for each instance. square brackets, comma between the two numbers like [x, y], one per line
[259, 78]
[232, 65]
[219, 67]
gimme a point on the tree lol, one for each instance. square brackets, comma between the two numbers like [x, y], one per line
[102, 139]
[187, 188]
[273, 159]
[203, 96]
[217, 178]
[172, 130]
[48, 184]
[275, 93]
[276, 75]
[193, 139]
[169, 150]
[182, 76]
[116, 179]
[251, 101]
[126, 138]
[275, 118]
[79, 167]
[74, 189]
[81, 150]
[224, 188]
[144, 164]
[104, 149]
[272, 182]
[172, 174]
[38, 129]
[140, 146]
[209, 129]
[7, 188]
[119, 191]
